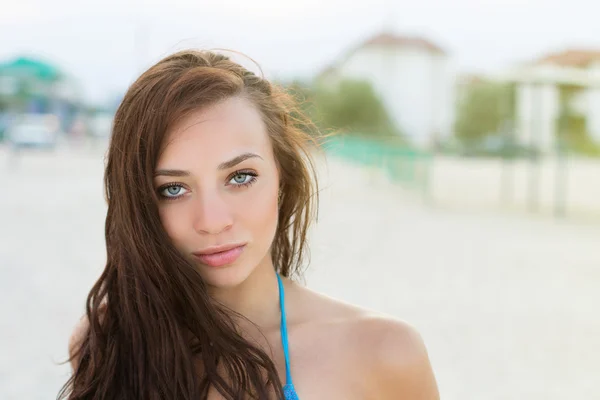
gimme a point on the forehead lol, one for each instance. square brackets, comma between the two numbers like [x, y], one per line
[215, 134]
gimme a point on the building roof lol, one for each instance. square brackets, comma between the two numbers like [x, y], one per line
[384, 39]
[471, 79]
[571, 58]
[393, 40]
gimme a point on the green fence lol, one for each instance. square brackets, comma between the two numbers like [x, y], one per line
[401, 164]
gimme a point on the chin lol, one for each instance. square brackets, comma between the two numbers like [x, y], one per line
[227, 276]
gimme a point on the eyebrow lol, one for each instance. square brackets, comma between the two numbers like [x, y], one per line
[171, 172]
[224, 165]
[236, 160]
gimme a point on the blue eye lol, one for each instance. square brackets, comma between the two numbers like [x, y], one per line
[172, 191]
[242, 178]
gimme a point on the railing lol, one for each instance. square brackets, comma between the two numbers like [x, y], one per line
[401, 164]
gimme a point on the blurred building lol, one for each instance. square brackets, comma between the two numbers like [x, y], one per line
[31, 86]
[559, 91]
[414, 78]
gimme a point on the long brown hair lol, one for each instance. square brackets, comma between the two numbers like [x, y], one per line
[154, 333]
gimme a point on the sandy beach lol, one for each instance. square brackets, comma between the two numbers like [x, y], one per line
[507, 303]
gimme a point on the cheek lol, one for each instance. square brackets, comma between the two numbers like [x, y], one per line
[171, 220]
[260, 214]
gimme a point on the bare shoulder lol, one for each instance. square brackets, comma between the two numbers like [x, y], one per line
[76, 339]
[397, 359]
[78, 335]
[389, 354]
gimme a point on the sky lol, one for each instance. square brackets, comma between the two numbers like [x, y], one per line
[107, 44]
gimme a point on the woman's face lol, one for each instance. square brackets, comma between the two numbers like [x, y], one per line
[218, 182]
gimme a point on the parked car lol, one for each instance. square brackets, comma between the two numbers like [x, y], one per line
[494, 146]
[100, 125]
[36, 131]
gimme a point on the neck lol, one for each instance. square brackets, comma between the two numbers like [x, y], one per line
[257, 298]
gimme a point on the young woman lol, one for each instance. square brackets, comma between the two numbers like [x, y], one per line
[211, 190]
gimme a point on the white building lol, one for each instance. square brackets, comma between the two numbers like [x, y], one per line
[414, 78]
[538, 101]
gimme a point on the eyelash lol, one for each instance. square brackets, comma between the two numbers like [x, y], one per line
[253, 175]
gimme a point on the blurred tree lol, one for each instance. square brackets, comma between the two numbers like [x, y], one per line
[572, 126]
[351, 107]
[483, 109]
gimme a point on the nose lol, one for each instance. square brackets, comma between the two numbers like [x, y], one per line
[212, 214]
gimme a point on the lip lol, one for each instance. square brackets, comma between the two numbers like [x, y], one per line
[219, 256]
